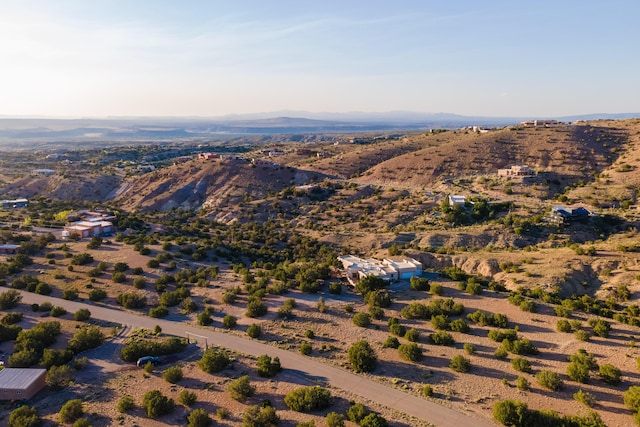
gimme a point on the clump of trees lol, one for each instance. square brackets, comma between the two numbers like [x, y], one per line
[307, 399]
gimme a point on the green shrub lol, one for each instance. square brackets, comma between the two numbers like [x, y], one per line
[362, 357]
[158, 312]
[24, 416]
[12, 318]
[441, 338]
[361, 319]
[521, 364]
[440, 321]
[57, 311]
[412, 335]
[255, 416]
[585, 398]
[241, 389]
[306, 399]
[373, 420]
[71, 411]
[199, 418]
[501, 353]
[436, 289]
[97, 294]
[610, 374]
[334, 419]
[522, 384]
[563, 326]
[156, 404]
[511, 413]
[357, 412]
[391, 342]
[306, 348]
[213, 360]
[550, 380]
[187, 398]
[632, 398]
[411, 352]
[82, 315]
[268, 367]
[126, 403]
[172, 374]
[254, 330]
[459, 325]
[469, 348]
[460, 363]
[229, 321]
[419, 283]
[427, 391]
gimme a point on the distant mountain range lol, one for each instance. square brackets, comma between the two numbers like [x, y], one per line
[281, 122]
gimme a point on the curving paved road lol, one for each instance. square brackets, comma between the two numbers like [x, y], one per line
[359, 385]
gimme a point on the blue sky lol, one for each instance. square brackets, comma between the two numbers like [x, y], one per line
[211, 58]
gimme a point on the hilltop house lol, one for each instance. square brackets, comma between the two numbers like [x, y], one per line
[536, 123]
[21, 383]
[455, 200]
[387, 269]
[14, 204]
[91, 224]
[517, 171]
[566, 215]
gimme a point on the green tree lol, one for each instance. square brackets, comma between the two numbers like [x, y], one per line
[24, 416]
[306, 399]
[187, 398]
[255, 416]
[610, 374]
[268, 367]
[82, 315]
[369, 283]
[411, 352]
[550, 380]
[156, 404]
[59, 376]
[9, 299]
[362, 357]
[511, 413]
[172, 374]
[334, 419]
[357, 412]
[373, 420]
[70, 411]
[125, 404]
[241, 389]
[213, 360]
[199, 418]
[460, 363]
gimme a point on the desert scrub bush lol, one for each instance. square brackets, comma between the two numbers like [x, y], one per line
[521, 364]
[57, 311]
[187, 398]
[70, 411]
[260, 416]
[473, 288]
[267, 367]
[523, 384]
[241, 389]
[469, 348]
[436, 289]
[563, 326]
[254, 330]
[12, 318]
[419, 283]
[362, 357]
[156, 404]
[441, 338]
[549, 380]
[125, 404]
[460, 363]
[610, 374]
[334, 419]
[361, 319]
[582, 335]
[97, 294]
[307, 399]
[213, 360]
[522, 346]
[391, 342]
[199, 418]
[357, 412]
[373, 420]
[483, 318]
[501, 353]
[440, 321]
[306, 348]
[561, 311]
[459, 325]
[411, 352]
[229, 321]
[172, 374]
[600, 327]
[158, 312]
[412, 335]
[585, 398]
[82, 315]
[85, 338]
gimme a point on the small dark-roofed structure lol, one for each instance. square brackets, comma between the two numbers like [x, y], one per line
[7, 249]
[564, 215]
[21, 383]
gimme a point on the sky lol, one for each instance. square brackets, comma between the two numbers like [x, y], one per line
[100, 58]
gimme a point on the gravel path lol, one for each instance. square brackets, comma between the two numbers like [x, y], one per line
[357, 384]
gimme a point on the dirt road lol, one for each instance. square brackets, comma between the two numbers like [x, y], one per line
[337, 377]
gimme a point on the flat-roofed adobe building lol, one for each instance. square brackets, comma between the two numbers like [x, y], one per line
[387, 269]
[21, 383]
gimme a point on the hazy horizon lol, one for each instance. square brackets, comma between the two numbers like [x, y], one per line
[101, 59]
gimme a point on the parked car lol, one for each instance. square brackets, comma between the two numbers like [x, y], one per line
[148, 359]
